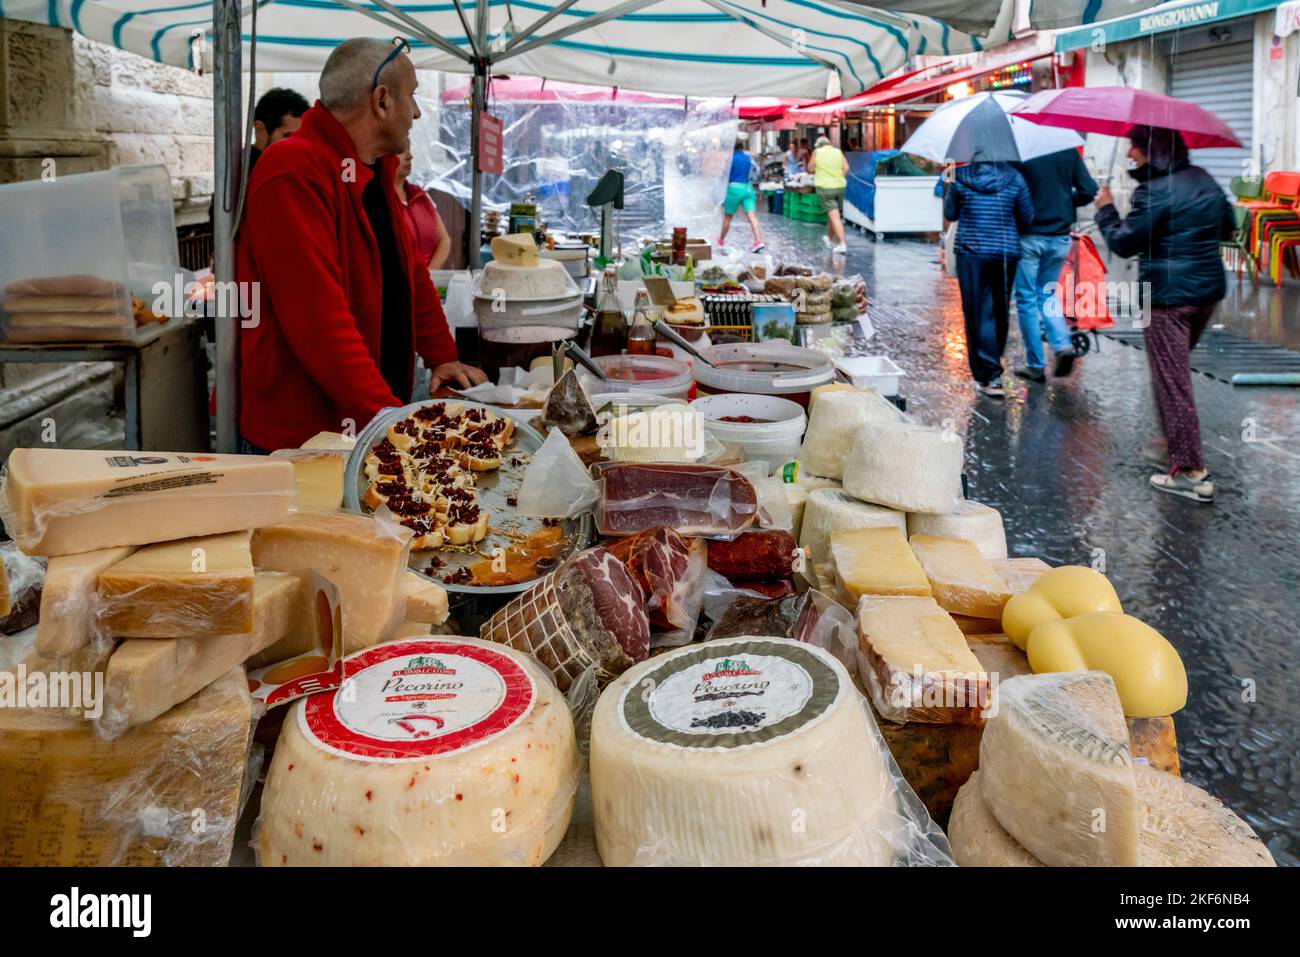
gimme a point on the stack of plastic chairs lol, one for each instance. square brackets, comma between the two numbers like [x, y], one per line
[1274, 217]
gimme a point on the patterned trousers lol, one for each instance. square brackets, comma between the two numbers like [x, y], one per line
[1171, 335]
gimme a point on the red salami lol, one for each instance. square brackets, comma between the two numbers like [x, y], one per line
[690, 499]
[670, 570]
[760, 556]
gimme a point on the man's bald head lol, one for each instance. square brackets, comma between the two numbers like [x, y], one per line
[350, 70]
[378, 116]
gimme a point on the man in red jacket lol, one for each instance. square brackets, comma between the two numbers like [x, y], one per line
[345, 304]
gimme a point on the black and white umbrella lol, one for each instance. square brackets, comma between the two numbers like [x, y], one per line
[979, 129]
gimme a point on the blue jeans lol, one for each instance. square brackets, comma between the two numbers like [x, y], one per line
[1041, 259]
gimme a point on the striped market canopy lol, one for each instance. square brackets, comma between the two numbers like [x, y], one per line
[684, 47]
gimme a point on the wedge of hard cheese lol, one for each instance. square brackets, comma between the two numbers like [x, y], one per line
[876, 561]
[68, 599]
[65, 501]
[192, 588]
[1056, 770]
[962, 579]
[364, 557]
[146, 677]
[164, 794]
[916, 663]
[316, 619]
[318, 475]
[426, 601]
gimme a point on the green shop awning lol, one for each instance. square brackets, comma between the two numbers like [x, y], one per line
[1161, 19]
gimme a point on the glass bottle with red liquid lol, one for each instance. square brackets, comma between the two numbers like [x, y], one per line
[609, 336]
[640, 333]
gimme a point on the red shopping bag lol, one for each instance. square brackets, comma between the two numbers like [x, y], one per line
[1082, 288]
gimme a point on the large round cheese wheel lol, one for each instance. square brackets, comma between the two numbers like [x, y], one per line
[748, 751]
[438, 751]
[903, 466]
[833, 420]
[831, 510]
[972, 521]
[977, 838]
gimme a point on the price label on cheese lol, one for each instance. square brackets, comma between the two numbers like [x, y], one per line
[745, 694]
[414, 700]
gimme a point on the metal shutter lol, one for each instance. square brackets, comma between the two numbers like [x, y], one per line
[1221, 79]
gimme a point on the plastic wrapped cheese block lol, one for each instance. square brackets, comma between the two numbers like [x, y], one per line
[587, 616]
[64, 501]
[68, 600]
[364, 556]
[1181, 826]
[962, 580]
[916, 663]
[971, 521]
[748, 752]
[907, 467]
[444, 752]
[834, 419]
[1054, 761]
[194, 587]
[166, 793]
[1147, 670]
[831, 510]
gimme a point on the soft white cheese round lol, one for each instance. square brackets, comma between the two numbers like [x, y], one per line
[972, 521]
[437, 751]
[749, 751]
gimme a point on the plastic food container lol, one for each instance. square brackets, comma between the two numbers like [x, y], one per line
[657, 375]
[764, 368]
[872, 372]
[774, 435]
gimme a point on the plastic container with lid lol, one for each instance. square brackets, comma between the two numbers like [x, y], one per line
[764, 368]
[509, 296]
[772, 434]
[657, 375]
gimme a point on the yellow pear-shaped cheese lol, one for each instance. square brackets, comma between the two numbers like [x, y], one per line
[1148, 673]
[1060, 593]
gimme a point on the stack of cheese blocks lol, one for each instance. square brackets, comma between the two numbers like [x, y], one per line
[1057, 785]
[168, 572]
[928, 574]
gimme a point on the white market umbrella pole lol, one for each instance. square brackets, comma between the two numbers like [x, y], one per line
[227, 47]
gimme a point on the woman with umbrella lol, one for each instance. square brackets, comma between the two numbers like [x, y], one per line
[1177, 219]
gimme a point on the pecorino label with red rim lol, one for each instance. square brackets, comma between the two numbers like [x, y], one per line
[415, 700]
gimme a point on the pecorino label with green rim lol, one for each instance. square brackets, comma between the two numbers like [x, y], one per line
[732, 694]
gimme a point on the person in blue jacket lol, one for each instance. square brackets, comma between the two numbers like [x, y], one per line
[991, 205]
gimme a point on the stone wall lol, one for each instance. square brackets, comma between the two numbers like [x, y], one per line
[88, 106]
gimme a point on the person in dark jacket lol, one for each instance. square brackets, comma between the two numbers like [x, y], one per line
[1059, 183]
[991, 205]
[1177, 219]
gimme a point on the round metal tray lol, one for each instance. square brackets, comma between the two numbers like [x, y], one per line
[505, 526]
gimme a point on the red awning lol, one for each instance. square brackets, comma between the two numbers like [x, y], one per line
[895, 91]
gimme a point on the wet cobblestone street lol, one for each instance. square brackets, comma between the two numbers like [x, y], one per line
[1064, 463]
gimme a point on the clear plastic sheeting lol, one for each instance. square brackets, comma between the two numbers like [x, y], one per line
[750, 752]
[167, 793]
[674, 155]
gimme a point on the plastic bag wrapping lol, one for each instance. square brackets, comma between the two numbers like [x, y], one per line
[24, 580]
[696, 500]
[671, 432]
[568, 407]
[671, 571]
[561, 139]
[588, 613]
[777, 762]
[50, 507]
[150, 605]
[166, 793]
[556, 483]
[825, 623]
[753, 614]
[766, 555]
[390, 783]
[904, 691]
[515, 387]
[69, 601]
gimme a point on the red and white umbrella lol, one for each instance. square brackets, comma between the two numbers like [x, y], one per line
[1114, 110]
